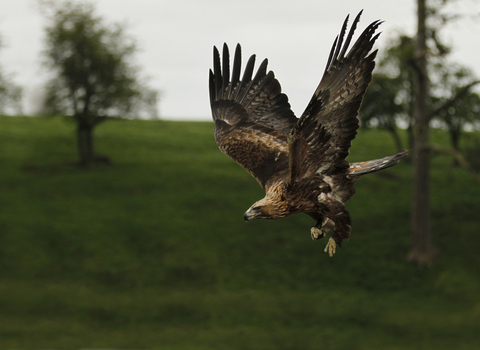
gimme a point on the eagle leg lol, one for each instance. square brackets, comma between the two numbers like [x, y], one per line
[321, 227]
[341, 224]
[341, 231]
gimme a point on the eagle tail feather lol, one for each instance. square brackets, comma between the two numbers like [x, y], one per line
[358, 169]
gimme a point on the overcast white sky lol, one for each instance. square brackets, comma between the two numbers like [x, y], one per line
[176, 39]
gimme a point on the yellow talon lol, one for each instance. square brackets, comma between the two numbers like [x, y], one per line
[331, 247]
[317, 233]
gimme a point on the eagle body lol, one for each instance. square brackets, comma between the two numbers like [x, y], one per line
[300, 162]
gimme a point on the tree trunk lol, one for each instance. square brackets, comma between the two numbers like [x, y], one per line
[85, 144]
[422, 250]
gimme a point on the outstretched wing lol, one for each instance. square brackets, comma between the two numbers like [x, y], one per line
[252, 116]
[321, 139]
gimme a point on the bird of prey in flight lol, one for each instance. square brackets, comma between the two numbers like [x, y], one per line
[301, 163]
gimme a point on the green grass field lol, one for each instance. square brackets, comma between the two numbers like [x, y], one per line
[152, 251]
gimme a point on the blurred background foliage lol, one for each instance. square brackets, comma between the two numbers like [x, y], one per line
[388, 103]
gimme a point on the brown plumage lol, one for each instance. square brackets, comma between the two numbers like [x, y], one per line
[300, 163]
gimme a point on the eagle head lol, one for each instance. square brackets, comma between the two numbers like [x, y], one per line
[263, 209]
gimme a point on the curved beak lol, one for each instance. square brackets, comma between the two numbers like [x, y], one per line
[248, 215]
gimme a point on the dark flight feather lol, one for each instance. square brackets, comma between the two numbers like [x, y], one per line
[237, 66]
[226, 68]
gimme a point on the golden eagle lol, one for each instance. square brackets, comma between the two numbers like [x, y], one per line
[300, 163]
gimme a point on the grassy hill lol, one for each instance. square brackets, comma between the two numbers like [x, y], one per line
[152, 252]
